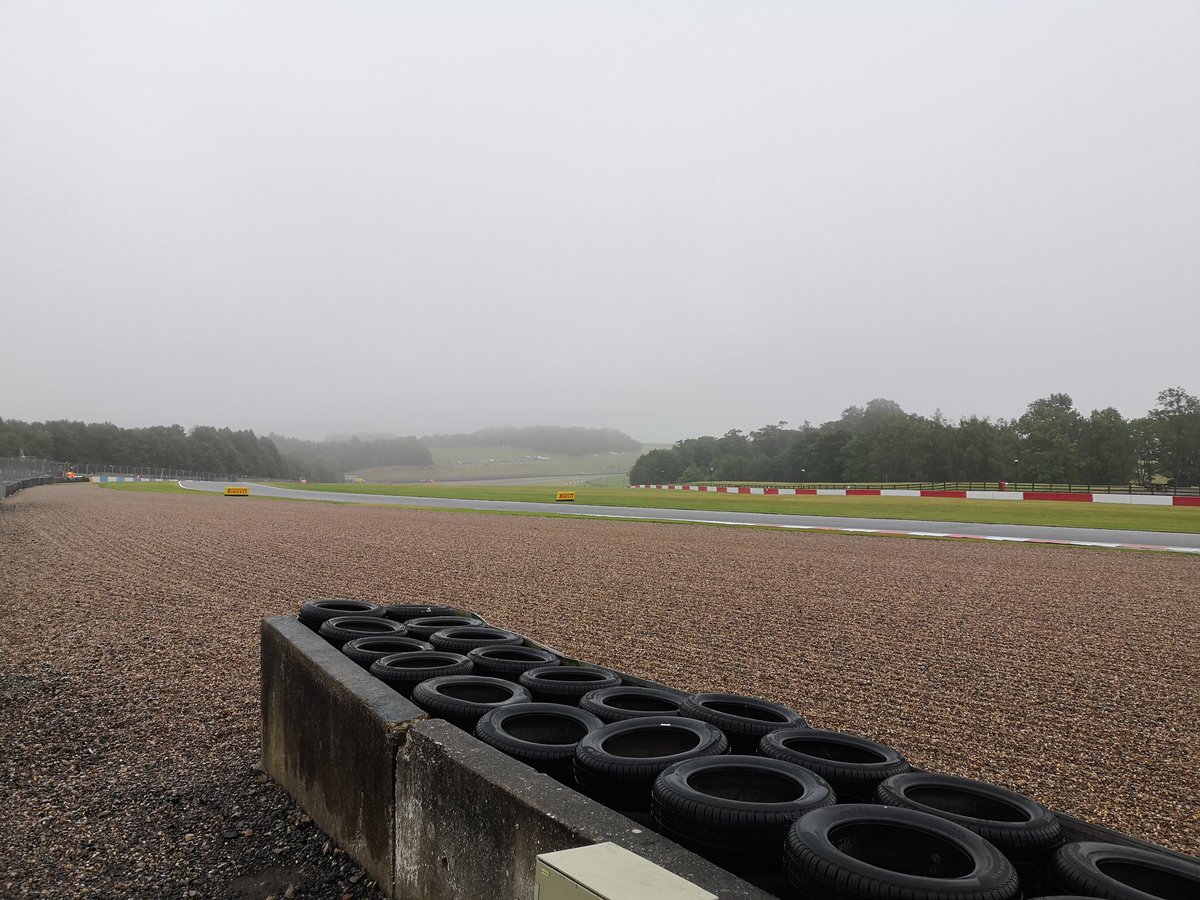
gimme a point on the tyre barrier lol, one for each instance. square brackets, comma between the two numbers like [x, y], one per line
[341, 629]
[618, 763]
[463, 699]
[465, 638]
[805, 813]
[852, 765]
[365, 650]
[423, 627]
[510, 661]
[541, 735]
[866, 852]
[1020, 828]
[1115, 872]
[567, 684]
[402, 672]
[314, 612]
[402, 612]
[736, 810]
[745, 720]
[616, 704]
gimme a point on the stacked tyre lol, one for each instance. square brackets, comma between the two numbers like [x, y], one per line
[736, 810]
[745, 720]
[510, 661]
[616, 704]
[852, 765]
[1020, 828]
[542, 735]
[619, 763]
[464, 699]
[402, 672]
[567, 684]
[315, 612]
[341, 629]
[868, 852]
[366, 650]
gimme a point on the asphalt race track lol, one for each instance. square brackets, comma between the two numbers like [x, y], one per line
[1083, 537]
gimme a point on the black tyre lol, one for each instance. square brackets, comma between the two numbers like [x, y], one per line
[314, 612]
[510, 661]
[743, 719]
[854, 766]
[736, 810]
[404, 671]
[866, 852]
[423, 627]
[366, 650]
[341, 629]
[566, 684]
[1022, 829]
[465, 638]
[402, 612]
[616, 704]
[542, 735]
[1115, 872]
[617, 764]
[463, 699]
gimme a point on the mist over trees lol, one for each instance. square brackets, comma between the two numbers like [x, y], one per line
[350, 454]
[203, 449]
[563, 441]
[223, 451]
[880, 442]
[329, 460]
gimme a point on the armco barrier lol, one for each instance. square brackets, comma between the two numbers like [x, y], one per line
[429, 811]
[8, 488]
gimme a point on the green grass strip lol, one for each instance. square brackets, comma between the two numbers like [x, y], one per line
[1178, 519]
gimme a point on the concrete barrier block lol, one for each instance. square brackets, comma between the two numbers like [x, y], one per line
[330, 734]
[470, 822]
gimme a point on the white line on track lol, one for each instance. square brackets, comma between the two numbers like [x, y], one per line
[923, 534]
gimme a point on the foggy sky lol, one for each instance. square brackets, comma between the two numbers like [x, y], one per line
[672, 218]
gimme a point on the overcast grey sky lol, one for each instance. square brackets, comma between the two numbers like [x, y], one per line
[672, 218]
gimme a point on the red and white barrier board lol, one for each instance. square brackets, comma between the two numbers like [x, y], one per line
[1134, 499]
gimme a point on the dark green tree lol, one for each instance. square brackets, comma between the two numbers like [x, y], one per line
[1108, 448]
[1049, 433]
[1176, 422]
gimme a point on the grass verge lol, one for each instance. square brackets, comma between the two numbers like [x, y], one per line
[145, 487]
[1180, 519]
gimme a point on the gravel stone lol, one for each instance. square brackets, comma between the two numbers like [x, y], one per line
[129, 663]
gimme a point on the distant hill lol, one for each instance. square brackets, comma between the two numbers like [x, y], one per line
[331, 460]
[554, 439]
[361, 436]
[414, 459]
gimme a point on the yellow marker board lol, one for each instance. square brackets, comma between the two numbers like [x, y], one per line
[237, 492]
[564, 495]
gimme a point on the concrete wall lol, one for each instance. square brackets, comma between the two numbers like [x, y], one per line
[330, 733]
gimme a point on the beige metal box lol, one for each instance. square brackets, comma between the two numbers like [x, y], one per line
[608, 872]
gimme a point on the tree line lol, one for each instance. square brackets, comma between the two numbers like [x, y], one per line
[224, 451]
[202, 449]
[1051, 442]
